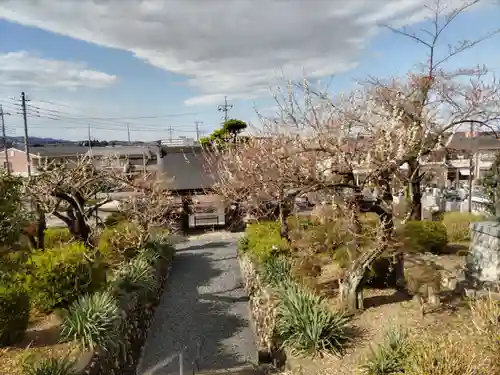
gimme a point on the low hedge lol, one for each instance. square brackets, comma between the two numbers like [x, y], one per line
[14, 314]
[136, 303]
[425, 236]
[55, 237]
[458, 225]
[119, 243]
[57, 277]
[263, 239]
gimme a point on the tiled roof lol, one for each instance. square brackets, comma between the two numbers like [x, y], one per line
[482, 141]
[187, 167]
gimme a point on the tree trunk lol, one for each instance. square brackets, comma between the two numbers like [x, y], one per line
[40, 230]
[352, 286]
[284, 212]
[37, 237]
[415, 190]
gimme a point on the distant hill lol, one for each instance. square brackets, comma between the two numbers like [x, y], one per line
[34, 141]
[38, 141]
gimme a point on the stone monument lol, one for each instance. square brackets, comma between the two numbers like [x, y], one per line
[483, 260]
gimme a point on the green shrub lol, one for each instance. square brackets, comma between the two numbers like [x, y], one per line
[389, 357]
[120, 243]
[243, 244]
[457, 225]
[160, 248]
[115, 218]
[425, 236]
[329, 234]
[306, 324]
[60, 275]
[136, 276]
[264, 239]
[13, 266]
[50, 366]
[14, 314]
[95, 322]
[55, 237]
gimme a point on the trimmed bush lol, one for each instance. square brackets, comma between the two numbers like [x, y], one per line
[120, 243]
[14, 314]
[264, 240]
[59, 276]
[425, 236]
[307, 325]
[50, 366]
[457, 225]
[95, 321]
[55, 237]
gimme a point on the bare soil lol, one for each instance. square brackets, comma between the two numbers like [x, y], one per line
[41, 340]
[388, 308]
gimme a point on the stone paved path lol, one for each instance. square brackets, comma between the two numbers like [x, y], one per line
[203, 304]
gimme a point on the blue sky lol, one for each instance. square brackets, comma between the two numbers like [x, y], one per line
[80, 74]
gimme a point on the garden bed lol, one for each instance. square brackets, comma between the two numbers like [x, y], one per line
[68, 334]
[445, 329]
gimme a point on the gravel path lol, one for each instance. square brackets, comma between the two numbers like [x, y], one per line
[203, 304]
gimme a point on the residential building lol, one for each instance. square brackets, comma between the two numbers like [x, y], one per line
[482, 147]
[138, 158]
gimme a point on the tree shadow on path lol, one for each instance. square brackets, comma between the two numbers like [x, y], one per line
[186, 319]
[204, 246]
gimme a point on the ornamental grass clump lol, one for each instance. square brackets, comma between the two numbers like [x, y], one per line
[95, 322]
[307, 325]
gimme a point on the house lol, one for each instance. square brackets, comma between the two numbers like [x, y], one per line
[482, 147]
[139, 158]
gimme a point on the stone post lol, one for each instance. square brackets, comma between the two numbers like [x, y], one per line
[483, 260]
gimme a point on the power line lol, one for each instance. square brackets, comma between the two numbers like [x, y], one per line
[70, 120]
[225, 108]
[119, 117]
[58, 115]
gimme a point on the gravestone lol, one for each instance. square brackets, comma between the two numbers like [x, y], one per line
[483, 260]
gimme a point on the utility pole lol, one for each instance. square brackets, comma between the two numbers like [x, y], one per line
[89, 139]
[170, 130]
[471, 163]
[4, 138]
[128, 132]
[26, 139]
[225, 108]
[197, 124]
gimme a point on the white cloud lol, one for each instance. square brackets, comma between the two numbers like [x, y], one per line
[225, 47]
[23, 69]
